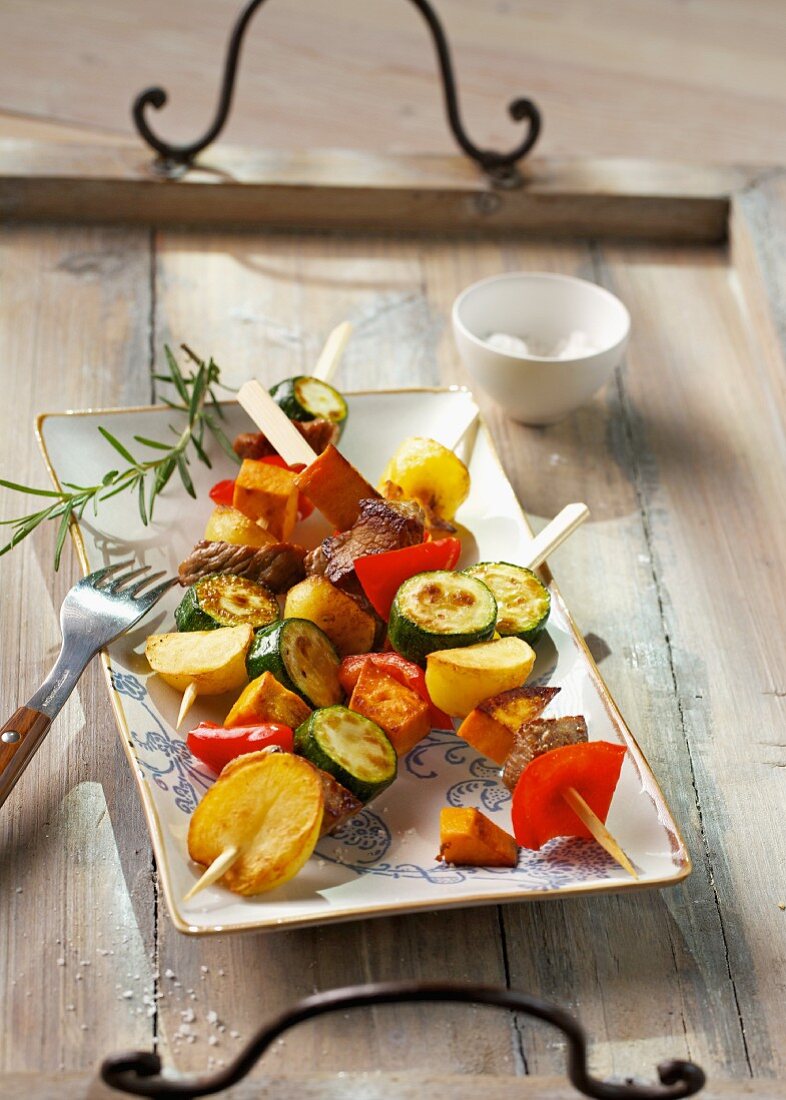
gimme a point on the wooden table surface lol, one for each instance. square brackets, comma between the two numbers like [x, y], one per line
[640, 78]
[677, 581]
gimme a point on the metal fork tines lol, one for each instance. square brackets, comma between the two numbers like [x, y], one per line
[98, 609]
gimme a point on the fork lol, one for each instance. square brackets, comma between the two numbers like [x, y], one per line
[98, 609]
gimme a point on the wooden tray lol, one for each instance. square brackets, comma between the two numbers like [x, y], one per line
[681, 460]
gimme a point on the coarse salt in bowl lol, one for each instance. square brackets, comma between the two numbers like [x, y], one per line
[539, 344]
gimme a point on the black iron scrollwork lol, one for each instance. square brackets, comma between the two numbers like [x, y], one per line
[500, 166]
[140, 1073]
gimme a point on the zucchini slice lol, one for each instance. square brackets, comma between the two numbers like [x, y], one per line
[222, 599]
[306, 398]
[353, 749]
[522, 600]
[301, 657]
[440, 610]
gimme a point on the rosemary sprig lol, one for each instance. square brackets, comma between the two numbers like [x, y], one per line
[145, 477]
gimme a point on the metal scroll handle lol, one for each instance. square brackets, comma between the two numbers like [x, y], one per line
[139, 1073]
[174, 159]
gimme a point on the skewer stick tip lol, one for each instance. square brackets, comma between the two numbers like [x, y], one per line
[586, 814]
[186, 703]
[332, 353]
[217, 868]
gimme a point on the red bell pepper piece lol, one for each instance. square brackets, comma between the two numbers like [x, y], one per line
[539, 811]
[216, 746]
[304, 505]
[400, 669]
[381, 575]
[223, 491]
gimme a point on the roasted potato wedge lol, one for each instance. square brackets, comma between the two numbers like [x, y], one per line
[459, 679]
[213, 660]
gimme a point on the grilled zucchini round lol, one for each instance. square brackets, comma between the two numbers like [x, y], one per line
[523, 602]
[440, 610]
[352, 748]
[306, 398]
[222, 599]
[301, 657]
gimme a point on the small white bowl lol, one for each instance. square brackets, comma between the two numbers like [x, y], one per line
[543, 310]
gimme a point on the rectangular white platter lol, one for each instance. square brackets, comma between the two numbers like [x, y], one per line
[382, 862]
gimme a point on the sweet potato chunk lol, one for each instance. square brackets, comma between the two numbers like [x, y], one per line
[268, 494]
[335, 487]
[266, 700]
[468, 837]
[400, 711]
[491, 726]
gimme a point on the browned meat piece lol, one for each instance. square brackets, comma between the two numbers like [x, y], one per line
[316, 561]
[317, 433]
[279, 565]
[252, 445]
[538, 736]
[382, 525]
[391, 491]
[340, 804]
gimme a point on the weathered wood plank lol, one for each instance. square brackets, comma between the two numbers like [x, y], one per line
[706, 413]
[658, 75]
[76, 904]
[357, 192]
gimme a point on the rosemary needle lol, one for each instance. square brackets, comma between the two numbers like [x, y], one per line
[146, 477]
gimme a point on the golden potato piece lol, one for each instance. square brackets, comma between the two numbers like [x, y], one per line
[226, 524]
[213, 660]
[459, 679]
[349, 627]
[426, 471]
[267, 805]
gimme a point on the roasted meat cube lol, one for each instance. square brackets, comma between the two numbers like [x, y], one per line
[340, 804]
[381, 526]
[318, 433]
[279, 565]
[539, 736]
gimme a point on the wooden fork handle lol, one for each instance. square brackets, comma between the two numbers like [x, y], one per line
[19, 738]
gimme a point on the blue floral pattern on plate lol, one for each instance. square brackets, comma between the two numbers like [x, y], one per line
[167, 759]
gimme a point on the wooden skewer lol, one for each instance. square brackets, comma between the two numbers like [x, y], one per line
[276, 425]
[186, 703]
[465, 441]
[217, 868]
[598, 829]
[554, 534]
[333, 351]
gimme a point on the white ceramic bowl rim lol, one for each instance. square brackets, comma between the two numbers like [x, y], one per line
[546, 276]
